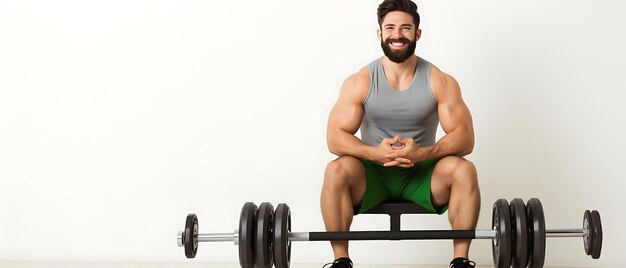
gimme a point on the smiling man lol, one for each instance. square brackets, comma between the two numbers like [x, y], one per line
[397, 101]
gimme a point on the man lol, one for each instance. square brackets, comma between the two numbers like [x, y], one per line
[397, 102]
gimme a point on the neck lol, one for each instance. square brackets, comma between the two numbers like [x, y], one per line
[397, 70]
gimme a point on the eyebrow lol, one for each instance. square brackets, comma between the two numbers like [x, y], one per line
[401, 25]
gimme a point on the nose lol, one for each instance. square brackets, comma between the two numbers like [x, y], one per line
[397, 31]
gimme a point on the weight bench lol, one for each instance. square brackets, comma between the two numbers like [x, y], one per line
[395, 209]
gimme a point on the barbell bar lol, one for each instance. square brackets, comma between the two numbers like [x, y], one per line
[518, 234]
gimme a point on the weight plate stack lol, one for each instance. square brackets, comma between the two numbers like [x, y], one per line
[282, 227]
[190, 236]
[247, 229]
[519, 228]
[537, 233]
[588, 234]
[501, 222]
[596, 225]
[265, 236]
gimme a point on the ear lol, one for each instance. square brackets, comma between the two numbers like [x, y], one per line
[379, 34]
[418, 34]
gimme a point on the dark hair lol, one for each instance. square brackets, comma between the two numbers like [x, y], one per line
[406, 6]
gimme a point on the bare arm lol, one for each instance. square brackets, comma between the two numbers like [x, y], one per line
[345, 119]
[455, 118]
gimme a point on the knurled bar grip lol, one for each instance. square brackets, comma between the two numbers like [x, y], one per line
[395, 235]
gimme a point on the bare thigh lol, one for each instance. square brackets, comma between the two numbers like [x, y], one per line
[446, 171]
[346, 171]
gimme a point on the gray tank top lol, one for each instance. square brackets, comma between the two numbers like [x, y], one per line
[410, 112]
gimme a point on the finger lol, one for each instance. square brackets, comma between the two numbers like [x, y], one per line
[407, 140]
[391, 164]
[399, 161]
[395, 155]
[388, 141]
[406, 165]
[403, 160]
[399, 147]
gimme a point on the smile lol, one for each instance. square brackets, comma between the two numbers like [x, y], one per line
[397, 44]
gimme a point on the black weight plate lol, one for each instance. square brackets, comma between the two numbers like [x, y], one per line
[597, 230]
[247, 228]
[588, 233]
[501, 222]
[519, 229]
[264, 236]
[190, 236]
[282, 227]
[537, 233]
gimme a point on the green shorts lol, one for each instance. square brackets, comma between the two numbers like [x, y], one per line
[398, 183]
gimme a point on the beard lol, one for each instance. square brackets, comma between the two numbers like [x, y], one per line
[398, 56]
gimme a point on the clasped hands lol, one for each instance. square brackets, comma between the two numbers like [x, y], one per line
[405, 155]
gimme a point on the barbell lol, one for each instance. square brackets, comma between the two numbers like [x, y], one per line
[518, 235]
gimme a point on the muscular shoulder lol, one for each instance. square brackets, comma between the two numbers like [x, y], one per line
[442, 84]
[356, 86]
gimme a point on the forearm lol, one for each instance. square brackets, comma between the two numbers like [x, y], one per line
[342, 143]
[459, 142]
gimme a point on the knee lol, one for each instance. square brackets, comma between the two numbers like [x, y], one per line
[335, 176]
[467, 174]
[462, 171]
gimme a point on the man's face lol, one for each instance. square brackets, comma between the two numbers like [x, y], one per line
[398, 36]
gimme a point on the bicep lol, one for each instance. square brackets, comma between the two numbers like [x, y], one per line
[345, 116]
[453, 112]
[347, 113]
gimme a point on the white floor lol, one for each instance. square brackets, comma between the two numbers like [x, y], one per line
[22, 264]
[30, 264]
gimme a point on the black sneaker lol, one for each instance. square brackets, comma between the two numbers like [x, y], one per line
[462, 263]
[340, 263]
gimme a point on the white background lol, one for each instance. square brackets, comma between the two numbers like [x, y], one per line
[117, 118]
